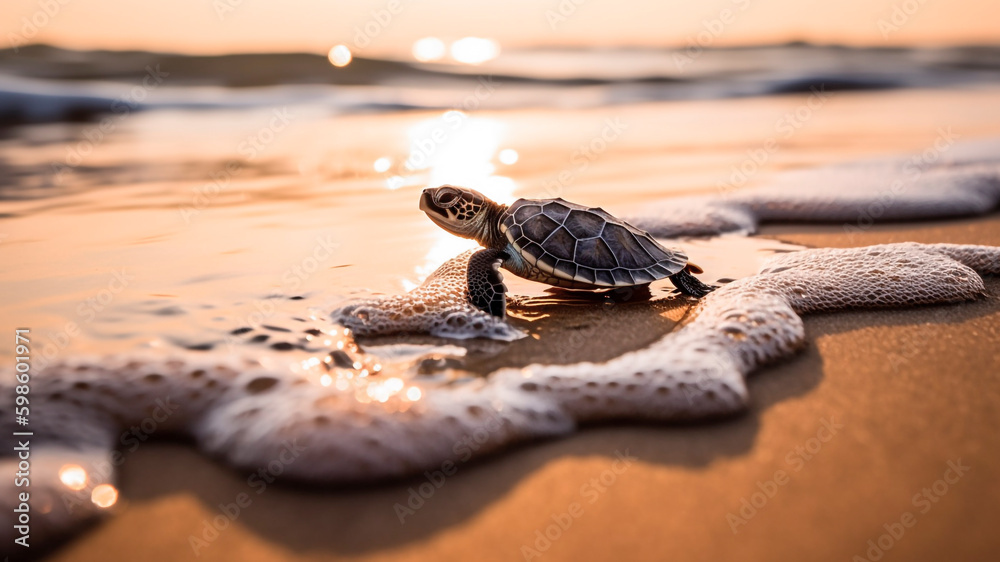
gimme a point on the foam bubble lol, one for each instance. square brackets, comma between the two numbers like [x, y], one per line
[440, 306]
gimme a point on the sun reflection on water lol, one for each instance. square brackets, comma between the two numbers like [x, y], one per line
[474, 50]
[429, 49]
[344, 368]
[457, 149]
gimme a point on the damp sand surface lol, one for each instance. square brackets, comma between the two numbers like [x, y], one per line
[910, 421]
[913, 390]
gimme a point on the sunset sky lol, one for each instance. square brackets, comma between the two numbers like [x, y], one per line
[217, 26]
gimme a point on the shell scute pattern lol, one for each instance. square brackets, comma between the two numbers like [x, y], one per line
[568, 266]
[586, 244]
[598, 252]
[538, 228]
[623, 277]
[605, 277]
[584, 224]
[525, 212]
[561, 244]
[585, 274]
[557, 210]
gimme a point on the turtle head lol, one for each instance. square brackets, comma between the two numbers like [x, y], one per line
[463, 212]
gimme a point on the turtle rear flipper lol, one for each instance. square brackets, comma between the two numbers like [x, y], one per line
[690, 285]
[486, 289]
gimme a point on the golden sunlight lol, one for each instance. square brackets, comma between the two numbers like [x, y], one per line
[460, 150]
[382, 164]
[474, 50]
[428, 49]
[340, 55]
[508, 156]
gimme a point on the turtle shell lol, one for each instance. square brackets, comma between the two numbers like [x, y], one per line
[586, 244]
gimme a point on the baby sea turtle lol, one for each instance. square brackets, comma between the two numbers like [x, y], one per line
[556, 242]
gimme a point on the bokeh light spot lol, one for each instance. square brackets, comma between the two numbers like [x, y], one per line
[340, 55]
[428, 49]
[508, 156]
[104, 495]
[382, 164]
[73, 476]
[474, 50]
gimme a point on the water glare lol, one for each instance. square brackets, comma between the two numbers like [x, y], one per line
[508, 156]
[428, 49]
[382, 164]
[474, 50]
[460, 150]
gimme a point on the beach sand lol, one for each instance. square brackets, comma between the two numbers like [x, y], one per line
[913, 389]
[907, 391]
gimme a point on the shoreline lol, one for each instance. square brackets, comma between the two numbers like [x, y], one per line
[903, 422]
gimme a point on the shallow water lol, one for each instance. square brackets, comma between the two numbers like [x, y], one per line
[147, 235]
[133, 248]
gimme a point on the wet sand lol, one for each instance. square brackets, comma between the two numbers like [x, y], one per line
[912, 390]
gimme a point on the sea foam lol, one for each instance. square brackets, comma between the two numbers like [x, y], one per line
[439, 306]
[945, 181]
[350, 418]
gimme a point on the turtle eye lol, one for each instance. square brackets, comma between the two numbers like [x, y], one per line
[447, 198]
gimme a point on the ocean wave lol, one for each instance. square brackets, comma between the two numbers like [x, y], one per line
[41, 83]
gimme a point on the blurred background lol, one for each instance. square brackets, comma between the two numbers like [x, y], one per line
[402, 54]
[227, 26]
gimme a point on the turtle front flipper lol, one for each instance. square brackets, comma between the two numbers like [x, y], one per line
[486, 289]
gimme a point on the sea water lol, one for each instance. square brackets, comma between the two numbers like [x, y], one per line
[259, 280]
